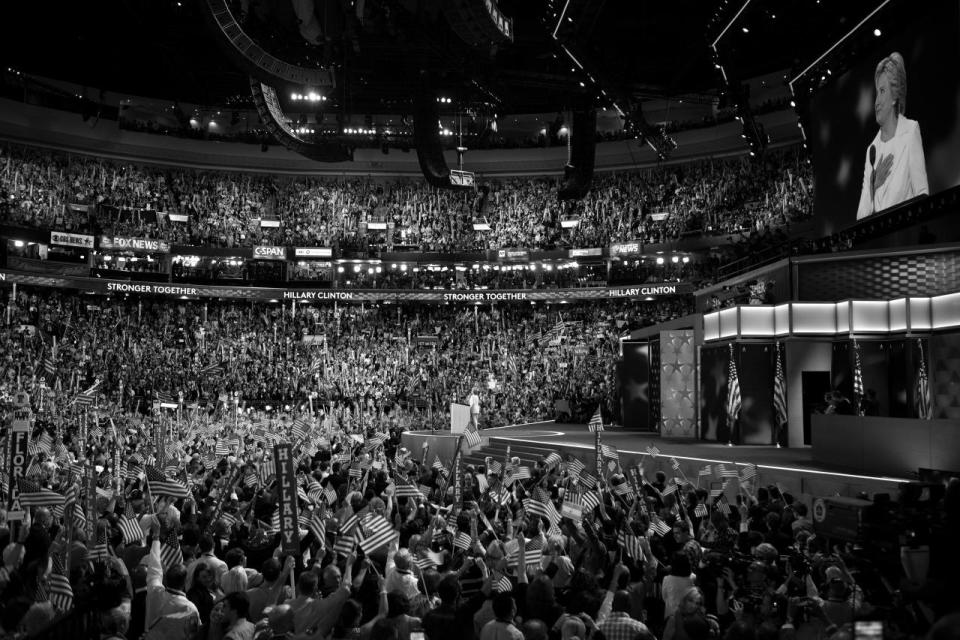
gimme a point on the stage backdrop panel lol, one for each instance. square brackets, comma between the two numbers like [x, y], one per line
[635, 385]
[756, 366]
[713, 393]
[677, 384]
[944, 357]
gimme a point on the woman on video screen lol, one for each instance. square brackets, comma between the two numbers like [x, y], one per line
[894, 168]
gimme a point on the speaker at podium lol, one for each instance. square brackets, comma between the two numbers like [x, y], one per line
[459, 417]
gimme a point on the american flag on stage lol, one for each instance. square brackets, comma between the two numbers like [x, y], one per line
[857, 379]
[170, 553]
[734, 398]
[161, 485]
[780, 396]
[922, 392]
[60, 591]
[596, 421]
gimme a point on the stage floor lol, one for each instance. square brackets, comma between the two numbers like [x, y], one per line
[797, 463]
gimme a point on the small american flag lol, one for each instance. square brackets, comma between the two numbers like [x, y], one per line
[653, 451]
[725, 472]
[609, 451]
[379, 532]
[749, 472]
[60, 590]
[132, 533]
[706, 470]
[161, 485]
[575, 468]
[590, 501]
[701, 511]
[588, 480]
[472, 436]
[462, 541]
[660, 527]
[631, 545]
[170, 553]
[596, 421]
[552, 459]
[503, 585]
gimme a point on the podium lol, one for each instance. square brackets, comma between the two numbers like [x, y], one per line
[459, 417]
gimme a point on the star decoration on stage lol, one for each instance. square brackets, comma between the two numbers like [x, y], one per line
[677, 383]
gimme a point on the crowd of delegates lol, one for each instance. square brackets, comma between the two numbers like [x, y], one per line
[180, 539]
[363, 360]
[39, 188]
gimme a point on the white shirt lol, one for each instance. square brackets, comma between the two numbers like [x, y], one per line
[908, 175]
[474, 402]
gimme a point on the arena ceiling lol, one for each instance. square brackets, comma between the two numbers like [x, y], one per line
[634, 49]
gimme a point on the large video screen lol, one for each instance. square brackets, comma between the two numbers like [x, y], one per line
[888, 130]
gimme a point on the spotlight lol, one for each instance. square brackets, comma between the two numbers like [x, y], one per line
[877, 32]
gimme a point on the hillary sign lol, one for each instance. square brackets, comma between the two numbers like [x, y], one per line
[287, 482]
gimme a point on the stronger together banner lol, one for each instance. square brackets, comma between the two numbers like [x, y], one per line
[186, 291]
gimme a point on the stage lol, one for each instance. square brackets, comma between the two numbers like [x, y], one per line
[795, 469]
